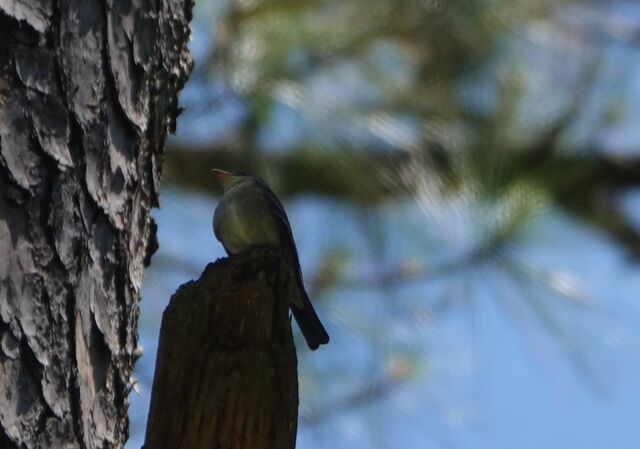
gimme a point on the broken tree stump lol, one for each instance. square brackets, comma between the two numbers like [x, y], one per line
[225, 374]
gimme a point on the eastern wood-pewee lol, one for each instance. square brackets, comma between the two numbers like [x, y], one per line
[250, 214]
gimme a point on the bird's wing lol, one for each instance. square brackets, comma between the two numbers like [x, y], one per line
[307, 319]
[286, 237]
[284, 228]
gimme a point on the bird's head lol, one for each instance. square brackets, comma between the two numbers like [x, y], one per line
[229, 178]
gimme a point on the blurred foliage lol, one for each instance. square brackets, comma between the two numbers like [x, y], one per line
[487, 112]
[365, 98]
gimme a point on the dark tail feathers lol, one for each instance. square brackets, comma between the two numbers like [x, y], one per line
[309, 323]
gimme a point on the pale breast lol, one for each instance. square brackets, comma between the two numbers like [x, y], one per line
[243, 219]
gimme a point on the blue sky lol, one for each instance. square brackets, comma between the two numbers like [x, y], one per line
[493, 379]
[487, 372]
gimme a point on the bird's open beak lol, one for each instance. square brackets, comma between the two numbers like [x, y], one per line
[221, 175]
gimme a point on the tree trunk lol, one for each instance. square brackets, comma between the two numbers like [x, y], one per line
[225, 374]
[88, 92]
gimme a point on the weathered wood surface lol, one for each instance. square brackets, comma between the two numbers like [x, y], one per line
[88, 93]
[225, 374]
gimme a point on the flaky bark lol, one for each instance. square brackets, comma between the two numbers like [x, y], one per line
[88, 92]
[226, 370]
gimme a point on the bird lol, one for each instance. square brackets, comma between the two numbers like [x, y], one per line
[250, 214]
